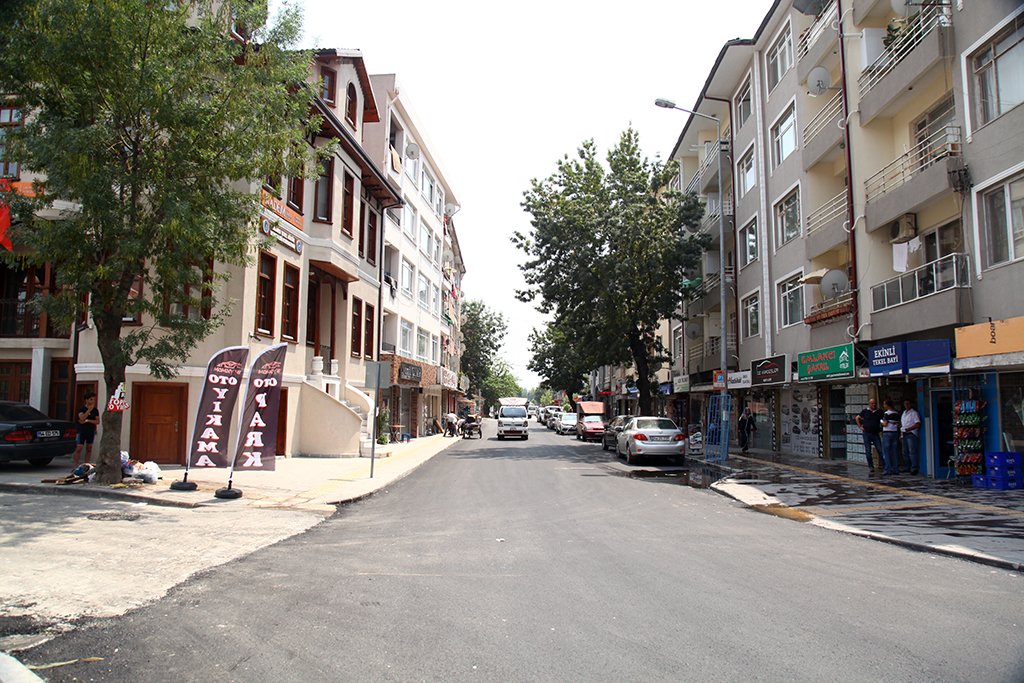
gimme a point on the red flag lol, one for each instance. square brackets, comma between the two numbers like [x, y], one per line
[257, 428]
[5, 224]
[221, 386]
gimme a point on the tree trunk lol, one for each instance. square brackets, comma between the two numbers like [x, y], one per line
[643, 372]
[108, 338]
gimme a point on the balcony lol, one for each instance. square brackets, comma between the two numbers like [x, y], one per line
[708, 171]
[709, 289]
[826, 226]
[815, 43]
[928, 297]
[911, 59]
[823, 133]
[709, 224]
[18, 319]
[915, 179]
[830, 311]
[704, 355]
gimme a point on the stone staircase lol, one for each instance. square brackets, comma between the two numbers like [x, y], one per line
[365, 429]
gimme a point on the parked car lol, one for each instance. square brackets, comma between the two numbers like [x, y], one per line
[590, 427]
[650, 437]
[611, 431]
[27, 434]
[567, 423]
[553, 419]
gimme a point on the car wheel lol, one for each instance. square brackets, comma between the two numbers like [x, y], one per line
[39, 462]
[604, 444]
[630, 458]
[501, 437]
[526, 437]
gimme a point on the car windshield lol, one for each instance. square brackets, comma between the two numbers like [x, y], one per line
[513, 411]
[655, 423]
[13, 412]
[568, 417]
[592, 418]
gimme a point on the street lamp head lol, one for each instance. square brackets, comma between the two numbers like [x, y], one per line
[665, 104]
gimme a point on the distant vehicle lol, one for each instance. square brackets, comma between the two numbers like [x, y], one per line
[553, 417]
[589, 420]
[611, 431]
[650, 437]
[513, 420]
[567, 423]
[27, 434]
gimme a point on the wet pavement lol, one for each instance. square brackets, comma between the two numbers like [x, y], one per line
[944, 516]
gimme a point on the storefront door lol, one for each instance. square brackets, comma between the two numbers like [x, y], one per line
[942, 432]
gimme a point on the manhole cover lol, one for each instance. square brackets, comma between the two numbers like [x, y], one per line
[115, 516]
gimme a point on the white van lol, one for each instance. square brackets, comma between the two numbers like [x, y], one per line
[513, 419]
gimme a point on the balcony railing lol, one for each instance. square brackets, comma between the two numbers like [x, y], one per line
[945, 273]
[698, 349]
[18, 319]
[711, 283]
[945, 142]
[828, 311]
[828, 212]
[710, 160]
[823, 118]
[691, 187]
[710, 221]
[809, 37]
[909, 37]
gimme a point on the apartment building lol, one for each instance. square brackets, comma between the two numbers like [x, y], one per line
[871, 191]
[421, 299]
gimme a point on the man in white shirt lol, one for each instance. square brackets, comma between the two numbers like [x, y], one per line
[910, 424]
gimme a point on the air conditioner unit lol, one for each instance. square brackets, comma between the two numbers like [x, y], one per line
[903, 229]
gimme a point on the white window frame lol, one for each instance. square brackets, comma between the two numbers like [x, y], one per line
[408, 278]
[745, 257]
[422, 345]
[427, 185]
[426, 238]
[967, 71]
[776, 227]
[435, 349]
[993, 67]
[748, 90]
[782, 45]
[435, 300]
[778, 133]
[794, 288]
[742, 176]
[423, 291]
[745, 319]
[410, 220]
[405, 338]
[1011, 232]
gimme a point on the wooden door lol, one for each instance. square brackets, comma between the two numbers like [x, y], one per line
[159, 423]
[282, 423]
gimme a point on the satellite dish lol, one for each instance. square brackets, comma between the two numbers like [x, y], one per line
[412, 151]
[901, 7]
[451, 209]
[833, 283]
[694, 331]
[819, 81]
[809, 7]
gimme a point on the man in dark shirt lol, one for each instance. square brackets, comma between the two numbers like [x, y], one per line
[87, 420]
[870, 423]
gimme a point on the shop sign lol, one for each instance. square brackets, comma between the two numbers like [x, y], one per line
[739, 380]
[273, 228]
[410, 372]
[665, 389]
[931, 356]
[888, 359]
[718, 379]
[834, 362]
[279, 208]
[771, 370]
[988, 339]
[681, 384]
[449, 378]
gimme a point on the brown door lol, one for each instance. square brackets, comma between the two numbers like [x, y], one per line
[159, 423]
[282, 423]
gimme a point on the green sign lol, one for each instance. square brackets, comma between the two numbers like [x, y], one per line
[835, 362]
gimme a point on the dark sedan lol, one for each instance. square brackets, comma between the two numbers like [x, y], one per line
[27, 434]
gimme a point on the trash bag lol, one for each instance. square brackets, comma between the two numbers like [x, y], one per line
[148, 472]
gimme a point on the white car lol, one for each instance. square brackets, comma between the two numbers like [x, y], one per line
[567, 423]
[513, 421]
[650, 437]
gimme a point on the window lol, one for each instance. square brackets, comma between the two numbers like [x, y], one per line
[437, 249]
[426, 238]
[999, 72]
[784, 137]
[407, 277]
[10, 117]
[369, 323]
[405, 339]
[439, 201]
[1003, 213]
[351, 104]
[435, 349]
[677, 343]
[370, 222]
[748, 244]
[410, 220]
[312, 309]
[265, 286]
[780, 58]
[131, 316]
[791, 302]
[787, 218]
[357, 328]
[290, 304]
[423, 291]
[422, 344]
[751, 316]
[745, 171]
[295, 187]
[194, 302]
[435, 299]
[328, 85]
[427, 187]
[743, 106]
[273, 185]
[324, 189]
[412, 166]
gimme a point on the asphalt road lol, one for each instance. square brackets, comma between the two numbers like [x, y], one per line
[532, 561]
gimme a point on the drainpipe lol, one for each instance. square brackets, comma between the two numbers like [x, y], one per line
[735, 236]
[851, 215]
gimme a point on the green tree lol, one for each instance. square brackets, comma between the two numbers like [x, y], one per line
[499, 383]
[608, 253]
[554, 358]
[149, 122]
[483, 331]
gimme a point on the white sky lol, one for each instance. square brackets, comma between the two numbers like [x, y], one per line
[504, 90]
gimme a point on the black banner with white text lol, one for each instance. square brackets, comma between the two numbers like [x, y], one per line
[257, 435]
[210, 444]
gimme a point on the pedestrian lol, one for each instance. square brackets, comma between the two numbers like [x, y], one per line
[890, 438]
[87, 419]
[450, 420]
[910, 424]
[870, 422]
[746, 427]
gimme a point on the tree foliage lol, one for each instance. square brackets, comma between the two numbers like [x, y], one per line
[554, 358]
[483, 331]
[499, 383]
[148, 123]
[607, 254]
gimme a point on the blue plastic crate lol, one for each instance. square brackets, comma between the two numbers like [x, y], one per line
[1003, 459]
[980, 481]
[1004, 484]
[1006, 472]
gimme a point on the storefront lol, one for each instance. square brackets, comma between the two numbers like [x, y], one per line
[767, 376]
[817, 395]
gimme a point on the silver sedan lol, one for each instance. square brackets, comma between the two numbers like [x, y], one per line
[650, 437]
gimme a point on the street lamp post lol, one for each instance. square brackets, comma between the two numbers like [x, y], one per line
[723, 336]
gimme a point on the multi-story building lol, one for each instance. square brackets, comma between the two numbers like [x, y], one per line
[423, 268]
[871, 165]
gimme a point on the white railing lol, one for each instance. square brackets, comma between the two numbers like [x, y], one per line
[945, 142]
[826, 213]
[691, 187]
[909, 37]
[830, 309]
[710, 160]
[824, 22]
[697, 349]
[711, 283]
[711, 214]
[828, 114]
[939, 275]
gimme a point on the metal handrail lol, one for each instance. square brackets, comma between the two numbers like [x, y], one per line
[710, 219]
[823, 118]
[824, 21]
[944, 142]
[913, 33]
[948, 272]
[826, 213]
[691, 187]
[710, 159]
